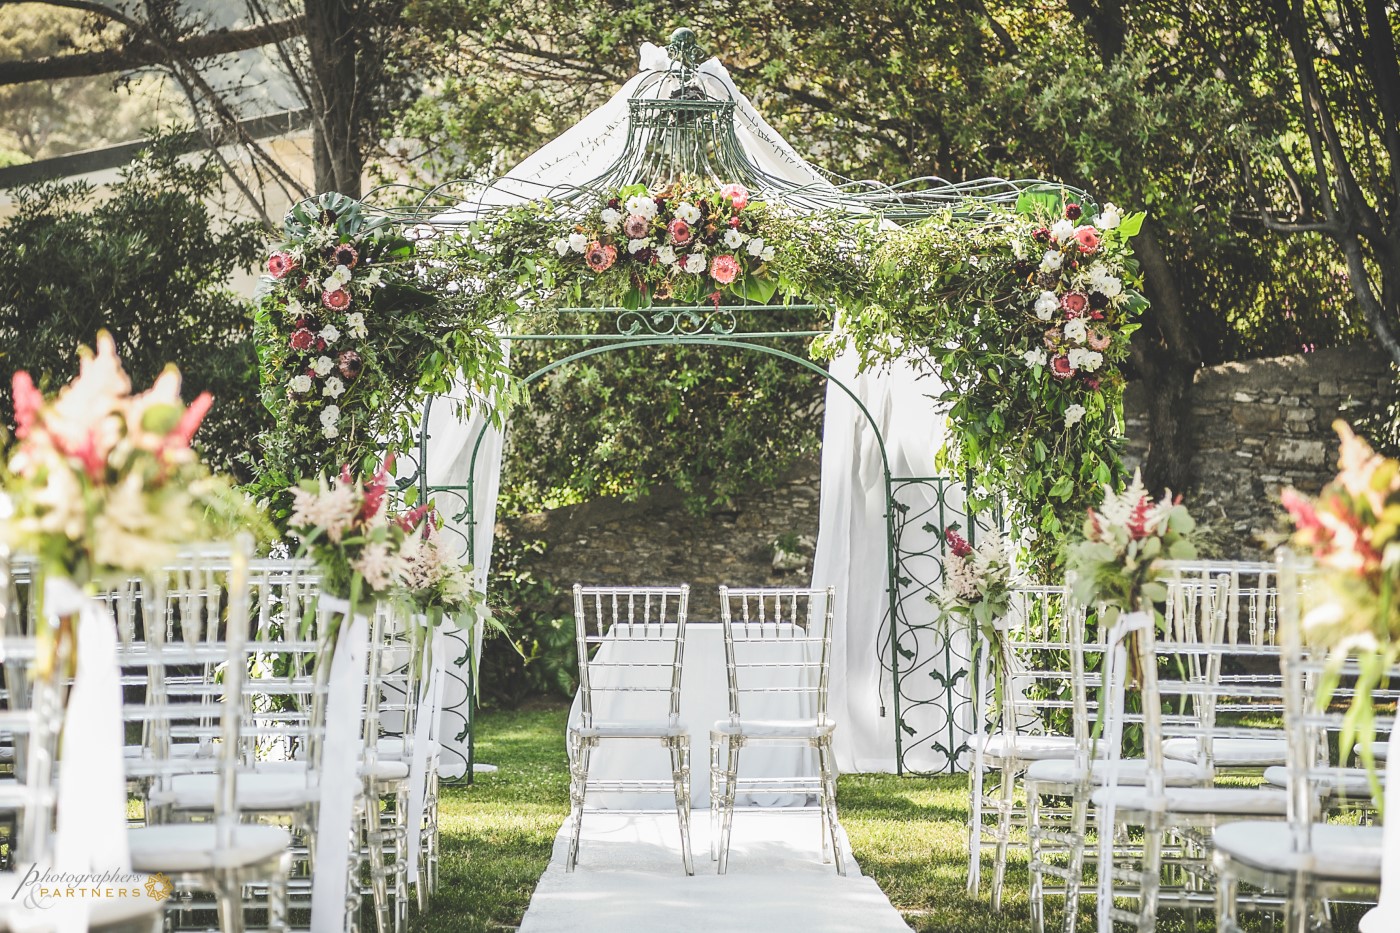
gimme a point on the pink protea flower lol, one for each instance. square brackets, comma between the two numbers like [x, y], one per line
[600, 258]
[350, 364]
[337, 299]
[345, 255]
[302, 339]
[724, 269]
[1060, 367]
[280, 263]
[1052, 338]
[680, 232]
[1087, 238]
[636, 226]
[1098, 340]
[1074, 303]
[735, 194]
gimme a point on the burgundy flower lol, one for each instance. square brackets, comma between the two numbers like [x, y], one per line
[1098, 301]
[1072, 211]
[336, 300]
[280, 263]
[1041, 235]
[345, 255]
[1074, 303]
[303, 339]
[735, 221]
[600, 258]
[614, 203]
[1092, 383]
[1060, 368]
[660, 203]
[1096, 315]
[350, 364]
[1047, 280]
[957, 543]
[1023, 267]
[644, 256]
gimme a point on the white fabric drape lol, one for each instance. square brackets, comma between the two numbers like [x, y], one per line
[852, 549]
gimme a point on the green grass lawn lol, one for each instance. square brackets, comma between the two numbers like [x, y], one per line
[909, 834]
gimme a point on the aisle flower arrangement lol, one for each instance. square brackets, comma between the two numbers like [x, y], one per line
[436, 585]
[977, 581]
[1115, 561]
[1352, 530]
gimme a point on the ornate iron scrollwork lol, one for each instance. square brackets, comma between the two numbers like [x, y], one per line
[681, 322]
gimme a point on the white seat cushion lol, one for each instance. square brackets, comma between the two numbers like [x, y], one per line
[256, 791]
[1243, 801]
[1232, 753]
[390, 748]
[774, 728]
[105, 912]
[1350, 782]
[1028, 747]
[194, 846]
[1380, 749]
[1340, 852]
[631, 729]
[1132, 771]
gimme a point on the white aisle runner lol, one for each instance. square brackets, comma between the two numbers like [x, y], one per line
[630, 880]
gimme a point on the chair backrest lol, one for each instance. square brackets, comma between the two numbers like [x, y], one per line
[1035, 665]
[777, 640]
[631, 645]
[30, 713]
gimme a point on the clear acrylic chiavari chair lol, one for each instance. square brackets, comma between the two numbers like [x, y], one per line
[631, 645]
[777, 650]
[1301, 867]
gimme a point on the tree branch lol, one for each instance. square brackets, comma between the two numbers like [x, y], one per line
[141, 53]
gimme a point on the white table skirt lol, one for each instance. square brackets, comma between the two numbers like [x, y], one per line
[704, 700]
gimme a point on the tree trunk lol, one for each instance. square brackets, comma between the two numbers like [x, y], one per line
[336, 96]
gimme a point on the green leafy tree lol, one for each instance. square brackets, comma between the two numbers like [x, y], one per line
[150, 264]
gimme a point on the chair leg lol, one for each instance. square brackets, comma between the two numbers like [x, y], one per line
[974, 828]
[828, 775]
[277, 896]
[228, 893]
[1105, 871]
[1151, 880]
[680, 778]
[731, 779]
[1037, 886]
[1004, 805]
[578, 789]
[717, 742]
[1226, 904]
[378, 870]
[1079, 813]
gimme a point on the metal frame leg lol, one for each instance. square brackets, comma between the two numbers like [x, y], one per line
[1037, 885]
[974, 826]
[828, 776]
[1004, 806]
[1079, 818]
[680, 777]
[716, 791]
[731, 779]
[578, 791]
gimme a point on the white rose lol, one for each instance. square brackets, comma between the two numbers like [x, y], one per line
[1107, 284]
[334, 388]
[1062, 231]
[733, 238]
[667, 255]
[561, 246]
[330, 334]
[610, 217]
[1077, 331]
[330, 432]
[756, 247]
[1093, 359]
[634, 246]
[329, 416]
[578, 242]
[356, 322]
[695, 263]
[301, 384]
[323, 365]
[688, 212]
[1074, 414]
[372, 280]
[641, 204]
[767, 254]
[1109, 217]
[1018, 248]
[1046, 305]
[1052, 261]
[1076, 357]
[1035, 357]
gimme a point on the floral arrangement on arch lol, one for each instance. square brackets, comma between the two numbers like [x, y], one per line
[688, 242]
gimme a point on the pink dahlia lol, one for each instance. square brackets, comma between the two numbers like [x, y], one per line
[337, 299]
[680, 232]
[599, 257]
[724, 269]
[1074, 303]
[636, 226]
[1060, 368]
[1088, 239]
[735, 194]
[280, 263]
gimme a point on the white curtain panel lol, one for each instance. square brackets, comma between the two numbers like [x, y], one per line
[852, 548]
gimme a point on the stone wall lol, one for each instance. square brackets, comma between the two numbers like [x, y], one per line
[1262, 425]
[655, 541]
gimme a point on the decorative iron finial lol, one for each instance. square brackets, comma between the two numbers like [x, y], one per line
[685, 52]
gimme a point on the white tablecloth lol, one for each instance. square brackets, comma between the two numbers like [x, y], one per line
[704, 699]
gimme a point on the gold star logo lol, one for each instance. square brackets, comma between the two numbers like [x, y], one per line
[159, 887]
